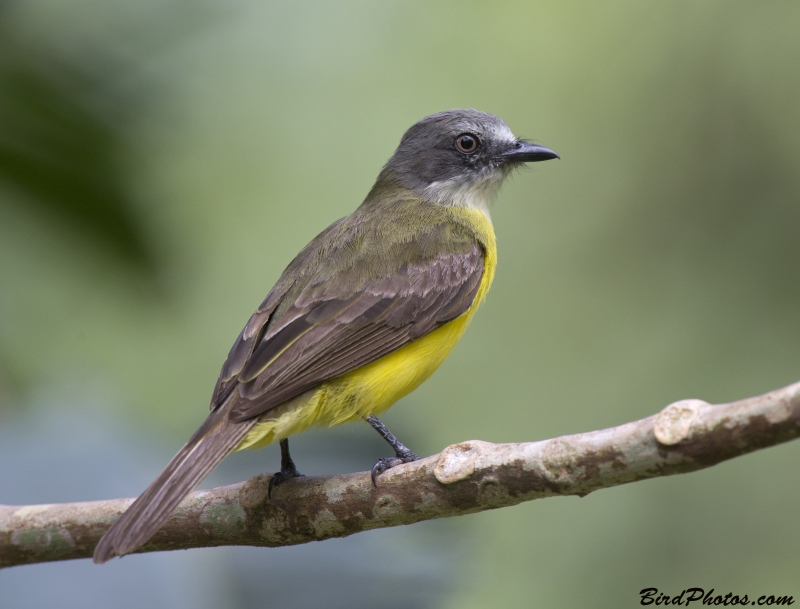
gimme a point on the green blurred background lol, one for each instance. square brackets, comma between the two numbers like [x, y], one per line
[161, 163]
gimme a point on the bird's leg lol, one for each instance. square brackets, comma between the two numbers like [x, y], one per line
[404, 455]
[288, 469]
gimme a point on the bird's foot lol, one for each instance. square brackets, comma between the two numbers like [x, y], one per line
[288, 469]
[389, 462]
[401, 451]
[282, 476]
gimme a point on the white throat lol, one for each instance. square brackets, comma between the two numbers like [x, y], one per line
[468, 193]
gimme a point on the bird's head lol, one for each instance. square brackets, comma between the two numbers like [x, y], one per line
[458, 157]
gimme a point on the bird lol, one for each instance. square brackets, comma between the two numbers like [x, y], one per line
[363, 315]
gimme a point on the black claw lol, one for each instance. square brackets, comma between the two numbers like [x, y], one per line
[279, 478]
[388, 463]
[381, 466]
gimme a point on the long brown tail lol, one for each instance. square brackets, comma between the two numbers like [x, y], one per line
[215, 439]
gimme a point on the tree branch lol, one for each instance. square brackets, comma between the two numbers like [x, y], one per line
[464, 478]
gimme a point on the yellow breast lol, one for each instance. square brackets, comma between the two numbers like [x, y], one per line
[373, 388]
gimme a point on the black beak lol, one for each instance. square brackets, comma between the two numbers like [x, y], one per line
[526, 152]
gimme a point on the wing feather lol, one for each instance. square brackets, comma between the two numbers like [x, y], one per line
[333, 333]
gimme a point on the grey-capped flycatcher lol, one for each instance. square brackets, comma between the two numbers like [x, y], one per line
[361, 317]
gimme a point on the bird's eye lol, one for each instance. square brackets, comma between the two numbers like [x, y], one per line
[467, 143]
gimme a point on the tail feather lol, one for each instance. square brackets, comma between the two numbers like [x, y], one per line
[215, 439]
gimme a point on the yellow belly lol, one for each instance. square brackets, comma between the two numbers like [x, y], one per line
[373, 388]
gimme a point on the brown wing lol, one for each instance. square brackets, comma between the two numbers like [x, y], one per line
[346, 300]
[325, 333]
